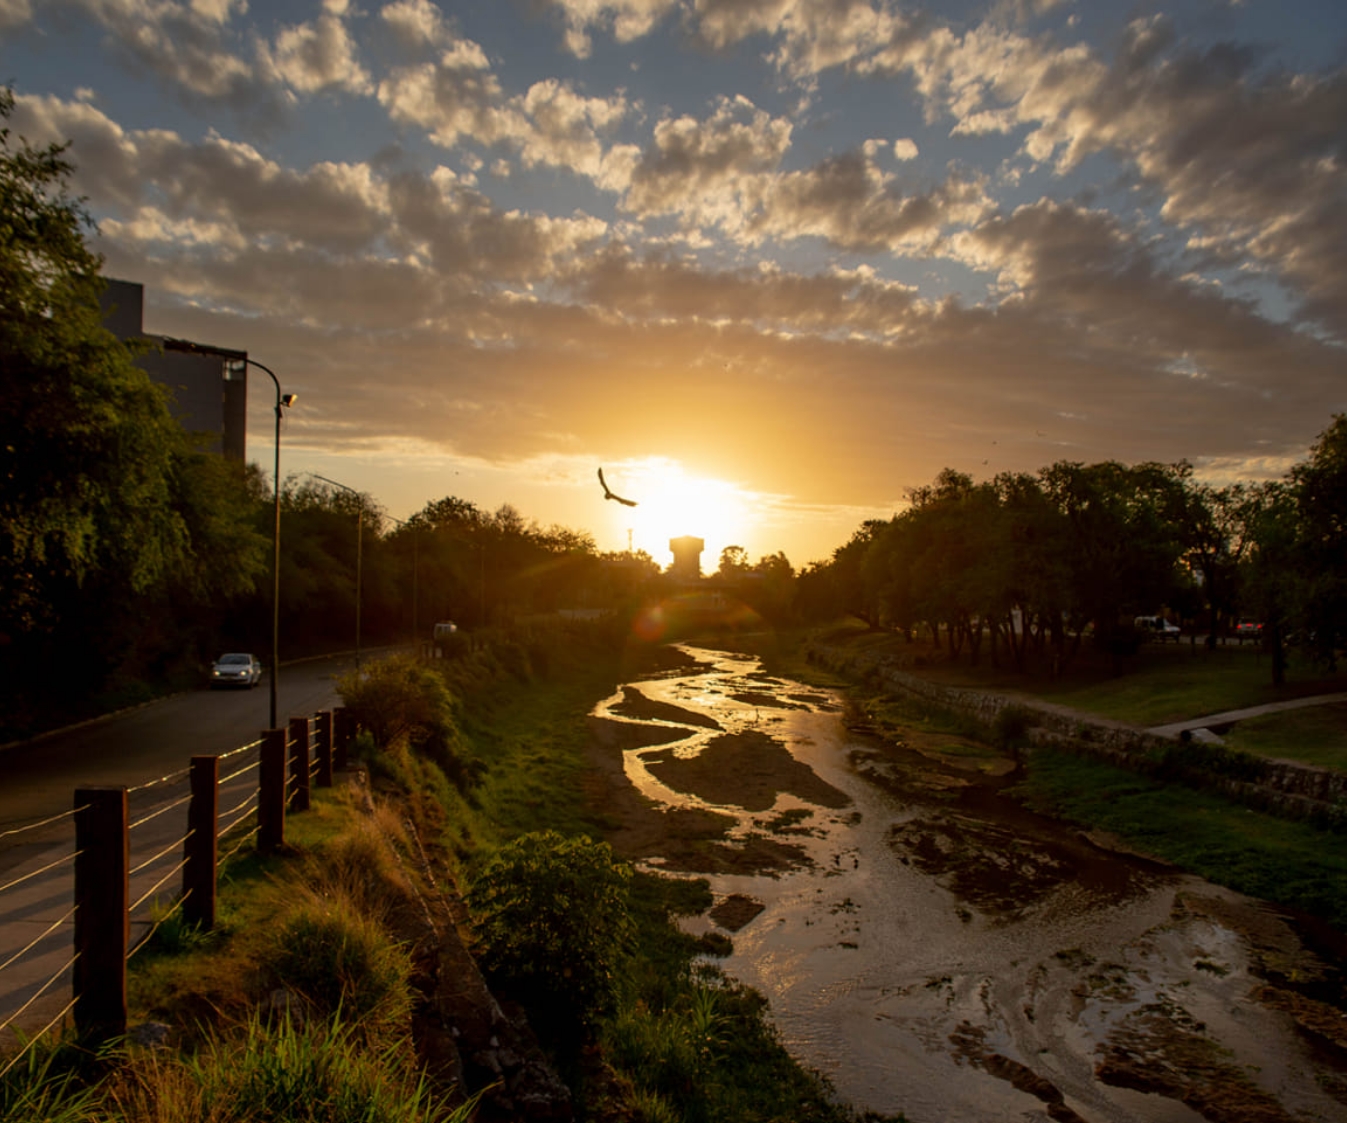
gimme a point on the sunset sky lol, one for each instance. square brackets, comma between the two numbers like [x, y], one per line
[769, 262]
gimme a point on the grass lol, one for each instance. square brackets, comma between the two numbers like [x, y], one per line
[1289, 863]
[1315, 735]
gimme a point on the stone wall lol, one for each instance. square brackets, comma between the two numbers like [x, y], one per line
[1281, 787]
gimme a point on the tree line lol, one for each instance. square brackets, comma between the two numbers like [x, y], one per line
[1026, 568]
[129, 556]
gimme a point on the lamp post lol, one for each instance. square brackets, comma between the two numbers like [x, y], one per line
[283, 401]
[359, 543]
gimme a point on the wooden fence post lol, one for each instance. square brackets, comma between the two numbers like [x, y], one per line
[271, 791]
[323, 720]
[102, 912]
[201, 850]
[299, 764]
[341, 726]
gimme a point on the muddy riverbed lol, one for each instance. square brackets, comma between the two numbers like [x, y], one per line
[937, 951]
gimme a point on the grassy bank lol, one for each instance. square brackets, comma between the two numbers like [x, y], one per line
[1291, 864]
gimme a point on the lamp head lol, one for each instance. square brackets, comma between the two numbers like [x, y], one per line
[289, 399]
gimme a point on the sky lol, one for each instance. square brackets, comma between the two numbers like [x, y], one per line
[768, 263]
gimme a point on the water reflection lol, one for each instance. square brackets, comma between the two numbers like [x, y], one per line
[931, 947]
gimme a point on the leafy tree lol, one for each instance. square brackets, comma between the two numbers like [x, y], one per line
[1319, 488]
[552, 919]
[88, 449]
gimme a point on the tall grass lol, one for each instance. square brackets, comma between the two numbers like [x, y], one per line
[320, 1072]
[46, 1085]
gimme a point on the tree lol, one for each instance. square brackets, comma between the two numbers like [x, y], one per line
[87, 446]
[1319, 489]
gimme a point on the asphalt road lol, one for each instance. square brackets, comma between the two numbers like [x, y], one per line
[38, 779]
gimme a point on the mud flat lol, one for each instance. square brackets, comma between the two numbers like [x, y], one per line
[935, 949]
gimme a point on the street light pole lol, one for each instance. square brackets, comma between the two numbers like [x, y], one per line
[359, 544]
[282, 401]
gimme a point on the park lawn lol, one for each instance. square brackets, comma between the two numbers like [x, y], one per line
[1315, 735]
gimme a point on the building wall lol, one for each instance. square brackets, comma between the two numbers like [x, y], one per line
[209, 392]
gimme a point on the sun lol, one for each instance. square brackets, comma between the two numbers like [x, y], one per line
[671, 503]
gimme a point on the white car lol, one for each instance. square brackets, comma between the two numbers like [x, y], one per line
[236, 669]
[1158, 628]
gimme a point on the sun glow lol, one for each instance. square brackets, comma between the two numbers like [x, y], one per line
[671, 504]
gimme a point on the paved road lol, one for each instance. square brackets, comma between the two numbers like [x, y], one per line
[128, 749]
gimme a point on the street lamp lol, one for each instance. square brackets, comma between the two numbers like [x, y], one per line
[283, 401]
[359, 540]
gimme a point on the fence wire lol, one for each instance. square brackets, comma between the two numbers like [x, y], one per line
[235, 775]
[240, 749]
[31, 1043]
[170, 778]
[158, 885]
[155, 814]
[43, 822]
[39, 993]
[145, 939]
[250, 798]
[49, 866]
[38, 939]
[166, 850]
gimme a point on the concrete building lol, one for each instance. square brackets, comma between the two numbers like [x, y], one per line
[209, 386]
[687, 555]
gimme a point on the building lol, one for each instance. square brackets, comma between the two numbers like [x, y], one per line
[209, 385]
[687, 555]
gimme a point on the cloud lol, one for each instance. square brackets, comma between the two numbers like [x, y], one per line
[711, 170]
[624, 19]
[317, 56]
[1248, 162]
[416, 23]
[185, 44]
[222, 199]
[15, 13]
[854, 205]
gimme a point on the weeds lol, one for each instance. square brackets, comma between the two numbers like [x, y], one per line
[341, 961]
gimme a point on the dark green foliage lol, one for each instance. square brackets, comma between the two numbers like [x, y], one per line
[552, 922]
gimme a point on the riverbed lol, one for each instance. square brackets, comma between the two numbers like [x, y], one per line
[935, 950]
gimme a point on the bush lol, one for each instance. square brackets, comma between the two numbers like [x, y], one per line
[400, 701]
[553, 923]
[341, 962]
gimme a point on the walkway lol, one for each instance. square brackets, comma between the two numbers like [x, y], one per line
[1231, 716]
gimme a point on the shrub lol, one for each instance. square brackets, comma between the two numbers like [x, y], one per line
[401, 701]
[552, 919]
[341, 961]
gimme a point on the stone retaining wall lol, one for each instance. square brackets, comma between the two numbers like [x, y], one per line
[1281, 787]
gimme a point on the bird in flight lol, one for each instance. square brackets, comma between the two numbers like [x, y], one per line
[608, 494]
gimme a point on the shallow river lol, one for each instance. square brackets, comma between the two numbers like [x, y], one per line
[935, 950]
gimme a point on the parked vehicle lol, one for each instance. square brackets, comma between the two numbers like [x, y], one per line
[236, 669]
[1157, 627]
[1248, 629]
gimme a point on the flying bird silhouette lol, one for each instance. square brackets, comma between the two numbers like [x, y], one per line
[608, 494]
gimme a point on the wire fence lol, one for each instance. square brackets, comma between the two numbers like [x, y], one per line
[164, 862]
